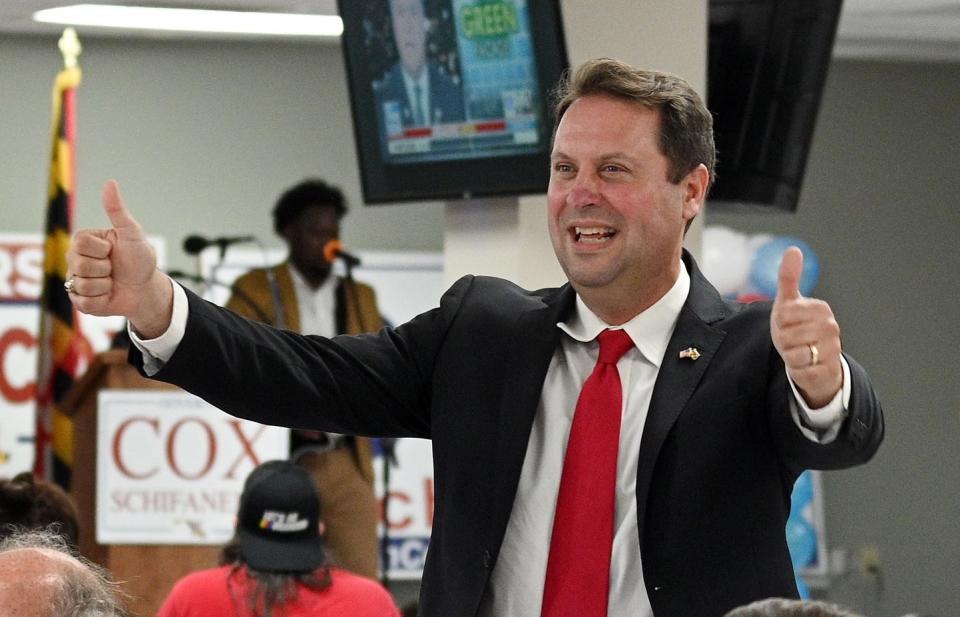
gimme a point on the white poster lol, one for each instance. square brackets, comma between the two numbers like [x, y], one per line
[21, 274]
[171, 467]
[410, 507]
[21, 278]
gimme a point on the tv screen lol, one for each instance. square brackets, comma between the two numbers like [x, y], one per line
[450, 97]
[767, 65]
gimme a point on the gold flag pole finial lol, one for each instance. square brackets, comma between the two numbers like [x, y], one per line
[69, 45]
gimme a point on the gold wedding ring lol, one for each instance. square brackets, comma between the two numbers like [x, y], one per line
[814, 354]
[68, 286]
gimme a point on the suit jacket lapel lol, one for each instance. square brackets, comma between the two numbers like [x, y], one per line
[536, 338]
[678, 377]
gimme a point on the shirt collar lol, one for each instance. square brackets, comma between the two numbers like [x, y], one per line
[650, 330]
[423, 81]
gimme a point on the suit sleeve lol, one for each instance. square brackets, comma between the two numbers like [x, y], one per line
[372, 384]
[859, 436]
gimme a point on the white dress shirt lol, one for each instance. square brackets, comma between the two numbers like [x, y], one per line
[421, 86]
[516, 586]
[317, 306]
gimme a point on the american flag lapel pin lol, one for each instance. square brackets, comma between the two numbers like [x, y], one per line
[690, 353]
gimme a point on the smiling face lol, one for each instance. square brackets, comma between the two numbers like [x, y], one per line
[615, 220]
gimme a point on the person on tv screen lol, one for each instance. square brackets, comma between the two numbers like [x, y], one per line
[623, 444]
[415, 91]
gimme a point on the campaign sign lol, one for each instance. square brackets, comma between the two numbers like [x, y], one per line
[409, 510]
[171, 467]
[21, 275]
[21, 279]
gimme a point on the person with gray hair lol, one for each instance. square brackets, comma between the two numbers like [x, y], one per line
[40, 577]
[781, 607]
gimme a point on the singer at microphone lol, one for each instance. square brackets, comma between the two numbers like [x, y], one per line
[305, 295]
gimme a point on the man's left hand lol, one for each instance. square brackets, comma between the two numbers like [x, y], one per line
[806, 334]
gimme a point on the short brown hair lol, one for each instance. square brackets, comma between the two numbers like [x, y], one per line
[686, 126]
[35, 504]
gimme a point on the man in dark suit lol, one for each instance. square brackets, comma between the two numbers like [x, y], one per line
[414, 91]
[718, 405]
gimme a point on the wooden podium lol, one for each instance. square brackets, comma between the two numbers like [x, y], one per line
[146, 573]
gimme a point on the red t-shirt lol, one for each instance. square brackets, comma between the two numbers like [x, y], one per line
[206, 594]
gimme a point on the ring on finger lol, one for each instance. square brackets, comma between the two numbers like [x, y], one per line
[68, 285]
[814, 354]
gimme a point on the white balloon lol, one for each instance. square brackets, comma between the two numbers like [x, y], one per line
[756, 241]
[726, 259]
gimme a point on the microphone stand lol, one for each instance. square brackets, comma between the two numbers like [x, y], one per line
[386, 445]
[387, 454]
[212, 282]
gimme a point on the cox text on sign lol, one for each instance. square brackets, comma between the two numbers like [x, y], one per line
[171, 467]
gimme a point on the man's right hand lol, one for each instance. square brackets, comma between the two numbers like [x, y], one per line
[114, 271]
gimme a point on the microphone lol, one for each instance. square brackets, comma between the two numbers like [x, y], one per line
[334, 249]
[194, 245]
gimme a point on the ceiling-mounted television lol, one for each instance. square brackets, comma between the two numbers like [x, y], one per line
[450, 98]
[767, 64]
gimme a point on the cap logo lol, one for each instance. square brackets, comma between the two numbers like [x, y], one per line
[283, 522]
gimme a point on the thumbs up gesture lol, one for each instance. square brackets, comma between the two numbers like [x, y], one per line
[113, 271]
[806, 335]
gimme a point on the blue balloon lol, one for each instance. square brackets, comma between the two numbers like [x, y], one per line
[765, 266]
[802, 542]
[802, 493]
[802, 588]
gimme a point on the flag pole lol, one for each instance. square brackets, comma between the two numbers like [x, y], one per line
[70, 47]
[63, 353]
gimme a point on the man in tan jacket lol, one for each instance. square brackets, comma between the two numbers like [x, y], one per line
[303, 295]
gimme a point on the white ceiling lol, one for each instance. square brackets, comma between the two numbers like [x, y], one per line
[927, 30]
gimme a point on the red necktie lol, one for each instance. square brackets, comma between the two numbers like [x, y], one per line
[578, 569]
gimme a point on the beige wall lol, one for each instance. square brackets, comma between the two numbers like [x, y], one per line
[203, 136]
[878, 206]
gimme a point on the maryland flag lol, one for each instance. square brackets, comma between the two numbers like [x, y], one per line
[63, 352]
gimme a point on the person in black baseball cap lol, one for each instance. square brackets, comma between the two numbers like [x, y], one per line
[278, 526]
[276, 563]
